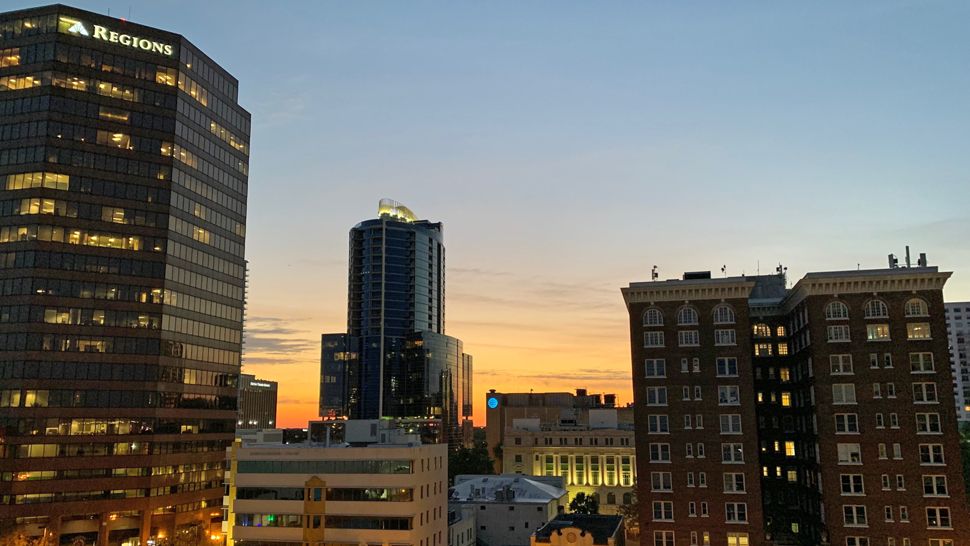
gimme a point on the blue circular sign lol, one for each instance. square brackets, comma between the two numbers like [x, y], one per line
[493, 402]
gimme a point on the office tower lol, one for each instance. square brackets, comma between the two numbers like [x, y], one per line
[826, 410]
[382, 487]
[395, 359]
[123, 176]
[958, 331]
[257, 402]
[583, 438]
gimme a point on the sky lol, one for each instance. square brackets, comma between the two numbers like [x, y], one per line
[569, 147]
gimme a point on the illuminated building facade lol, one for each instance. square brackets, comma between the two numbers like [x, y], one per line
[123, 182]
[387, 488]
[257, 402]
[395, 359]
[817, 414]
[582, 438]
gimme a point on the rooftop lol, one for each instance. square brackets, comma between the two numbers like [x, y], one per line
[506, 488]
[602, 527]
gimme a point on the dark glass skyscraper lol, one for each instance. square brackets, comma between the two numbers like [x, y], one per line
[394, 360]
[123, 181]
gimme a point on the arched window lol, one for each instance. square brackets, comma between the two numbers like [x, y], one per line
[876, 309]
[653, 317]
[916, 307]
[611, 498]
[836, 311]
[761, 330]
[781, 331]
[723, 314]
[627, 498]
[687, 315]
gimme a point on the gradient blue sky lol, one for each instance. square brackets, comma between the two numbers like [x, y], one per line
[568, 147]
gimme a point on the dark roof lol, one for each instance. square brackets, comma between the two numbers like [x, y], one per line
[602, 527]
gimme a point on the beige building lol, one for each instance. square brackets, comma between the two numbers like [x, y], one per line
[582, 438]
[581, 530]
[380, 491]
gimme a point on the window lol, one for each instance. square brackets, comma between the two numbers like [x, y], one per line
[688, 338]
[731, 423]
[876, 309]
[886, 484]
[852, 484]
[684, 365]
[880, 421]
[917, 307]
[685, 393]
[724, 314]
[656, 396]
[924, 393]
[732, 453]
[894, 420]
[877, 332]
[856, 541]
[887, 360]
[883, 453]
[727, 367]
[836, 311]
[653, 317]
[735, 512]
[854, 515]
[700, 450]
[690, 479]
[846, 423]
[903, 513]
[934, 542]
[782, 349]
[887, 513]
[850, 454]
[702, 479]
[696, 365]
[655, 367]
[918, 330]
[890, 390]
[663, 511]
[762, 349]
[689, 450]
[934, 486]
[840, 364]
[938, 517]
[663, 538]
[928, 423]
[699, 421]
[686, 316]
[658, 424]
[725, 337]
[728, 395]
[931, 454]
[780, 332]
[900, 482]
[789, 448]
[661, 481]
[733, 482]
[843, 393]
[653, 339]
[876, 390]
[921, 363]
[687, 421]
[785, 399]
[697, 392]
[838, 333]
[692, 509]
[660, 453]
[761, 330]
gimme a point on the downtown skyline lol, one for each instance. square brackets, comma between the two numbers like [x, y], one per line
[569, 149]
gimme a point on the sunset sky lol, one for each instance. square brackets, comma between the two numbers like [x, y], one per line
[570, 146]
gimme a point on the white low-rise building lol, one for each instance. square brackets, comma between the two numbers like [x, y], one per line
[509, 508]
[386, 489]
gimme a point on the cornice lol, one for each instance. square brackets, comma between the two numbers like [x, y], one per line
[865, 284]
[686, 291]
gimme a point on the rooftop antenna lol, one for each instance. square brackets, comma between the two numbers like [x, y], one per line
[908, 264]
[758, 272]
[781, 270]
[653, 274]
[724, 270]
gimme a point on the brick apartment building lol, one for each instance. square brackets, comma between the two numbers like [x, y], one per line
[819, 414]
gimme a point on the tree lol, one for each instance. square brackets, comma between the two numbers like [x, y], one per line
[631, 513]
[473, 460]
[584, 504]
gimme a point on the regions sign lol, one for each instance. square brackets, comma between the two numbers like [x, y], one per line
[105, 34]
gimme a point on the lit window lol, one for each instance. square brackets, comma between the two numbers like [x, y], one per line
[877, 332]
[918, 330]
[761, 330]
